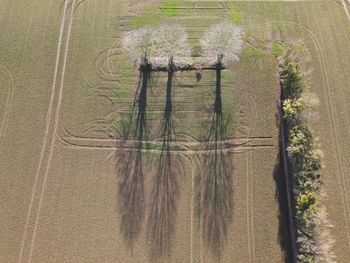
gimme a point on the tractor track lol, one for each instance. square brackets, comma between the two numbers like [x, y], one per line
[346, 8]
[334, 130]
[49, 135]
[229, 145]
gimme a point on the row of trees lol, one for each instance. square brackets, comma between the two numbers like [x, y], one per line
[166, 48]
[299, 104]
[158, 44]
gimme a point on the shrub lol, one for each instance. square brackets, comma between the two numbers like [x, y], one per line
[300, 142]
[299, 105]
[291, 83]
[305, 202]
[292, 107]
[305, 258]
[308, 181]
[292, 76]
[307, 174]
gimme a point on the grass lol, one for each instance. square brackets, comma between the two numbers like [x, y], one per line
[150, 17]
[277, 49]
[249, 53]
[235, 13]
[168, 8]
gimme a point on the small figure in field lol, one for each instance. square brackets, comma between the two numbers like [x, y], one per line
[199, 74]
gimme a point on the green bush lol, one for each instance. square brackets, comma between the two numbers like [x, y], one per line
[304, 160]
[305, 202]
[292, 107]
[305, 258]
[299, 143]
[291, 80]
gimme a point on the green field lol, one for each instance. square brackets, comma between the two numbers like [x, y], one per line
[66, 94]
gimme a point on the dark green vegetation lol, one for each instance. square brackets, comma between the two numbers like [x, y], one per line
[315, 244]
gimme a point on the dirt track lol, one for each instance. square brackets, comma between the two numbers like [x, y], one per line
[50, 130]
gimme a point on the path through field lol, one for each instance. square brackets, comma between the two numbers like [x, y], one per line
[49, 136]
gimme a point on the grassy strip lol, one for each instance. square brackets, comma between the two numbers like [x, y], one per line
[314, 243]
[235, 14]
[169, 8]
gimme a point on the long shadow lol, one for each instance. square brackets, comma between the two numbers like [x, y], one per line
[281, 197]
[130, 164]
[216, 187]
[165, 189]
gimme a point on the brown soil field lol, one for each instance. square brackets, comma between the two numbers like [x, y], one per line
[73, 131]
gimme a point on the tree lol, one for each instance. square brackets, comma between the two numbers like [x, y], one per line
[158, 44]
[171, 41]
[223, 39]
[139, 43]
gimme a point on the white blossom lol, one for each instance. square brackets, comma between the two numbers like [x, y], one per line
[140, 43]
[223, 38]
[158, 44]
[172, 41]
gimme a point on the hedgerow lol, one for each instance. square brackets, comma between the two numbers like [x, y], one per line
[298, 104]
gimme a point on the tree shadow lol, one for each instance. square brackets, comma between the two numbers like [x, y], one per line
[216, 185]
[165, 188]
[130, 163]
[281, 197]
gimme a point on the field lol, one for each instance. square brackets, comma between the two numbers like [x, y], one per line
[72, 118]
